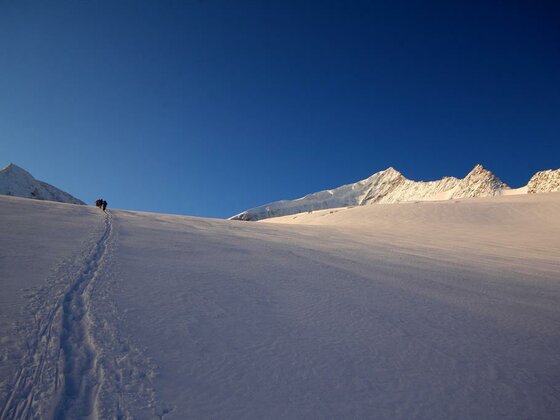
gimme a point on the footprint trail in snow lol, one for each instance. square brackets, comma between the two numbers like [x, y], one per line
[62, 358]
[81, 375]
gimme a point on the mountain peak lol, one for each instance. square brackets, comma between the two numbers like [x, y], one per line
[12, 167]
[391, 172]
[478, 169]
[16, 181]
[479, 182]
[386, 174]
[479, 172]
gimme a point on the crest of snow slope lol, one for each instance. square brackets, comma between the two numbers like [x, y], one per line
[388, 186]
[421, 310]
[544, 181]
[17, 182]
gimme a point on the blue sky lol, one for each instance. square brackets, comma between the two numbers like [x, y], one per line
[208, 108]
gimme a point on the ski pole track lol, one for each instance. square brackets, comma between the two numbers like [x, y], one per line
[62, 352]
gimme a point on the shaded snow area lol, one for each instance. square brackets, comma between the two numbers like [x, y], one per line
[431, 310]
[17, 182]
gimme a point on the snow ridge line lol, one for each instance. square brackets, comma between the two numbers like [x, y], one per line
[61, 353]
[80, 376]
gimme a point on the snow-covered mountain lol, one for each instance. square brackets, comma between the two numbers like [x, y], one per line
[387, 186]
[18, 182]
[544, 181]
[393, 187]
[479, 182]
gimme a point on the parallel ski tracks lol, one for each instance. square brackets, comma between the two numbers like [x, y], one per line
[64, 345]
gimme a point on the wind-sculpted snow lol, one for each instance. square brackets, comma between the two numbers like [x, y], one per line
[421, 310]
[17, 182]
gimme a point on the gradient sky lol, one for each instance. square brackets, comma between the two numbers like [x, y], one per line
[208, 108]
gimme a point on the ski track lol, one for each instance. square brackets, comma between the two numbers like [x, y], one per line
[81, 376]
[63, 340]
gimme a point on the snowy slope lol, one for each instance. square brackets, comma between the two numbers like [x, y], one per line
[17, 182]
[430, 310]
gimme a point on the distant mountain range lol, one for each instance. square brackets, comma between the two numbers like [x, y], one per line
[20, 183]
[390, 186]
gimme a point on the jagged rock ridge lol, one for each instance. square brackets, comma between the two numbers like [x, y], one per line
[18, 182]
[544, 181]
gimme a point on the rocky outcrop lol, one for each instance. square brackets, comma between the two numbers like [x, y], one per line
[479, 182]
[544, 181]
[405, 190]
[382, 185]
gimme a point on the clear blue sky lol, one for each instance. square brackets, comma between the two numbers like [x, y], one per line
[210, 107]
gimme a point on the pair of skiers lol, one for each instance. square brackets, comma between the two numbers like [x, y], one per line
[102, 204]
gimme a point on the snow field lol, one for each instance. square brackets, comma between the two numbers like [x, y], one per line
[420, 310]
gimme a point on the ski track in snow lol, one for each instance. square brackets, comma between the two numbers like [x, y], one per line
[80, 376]
[76, 378]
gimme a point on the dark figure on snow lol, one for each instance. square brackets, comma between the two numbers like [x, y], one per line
[98, 203]
[104, 205]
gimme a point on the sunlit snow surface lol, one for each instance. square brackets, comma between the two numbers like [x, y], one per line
[424, 310]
